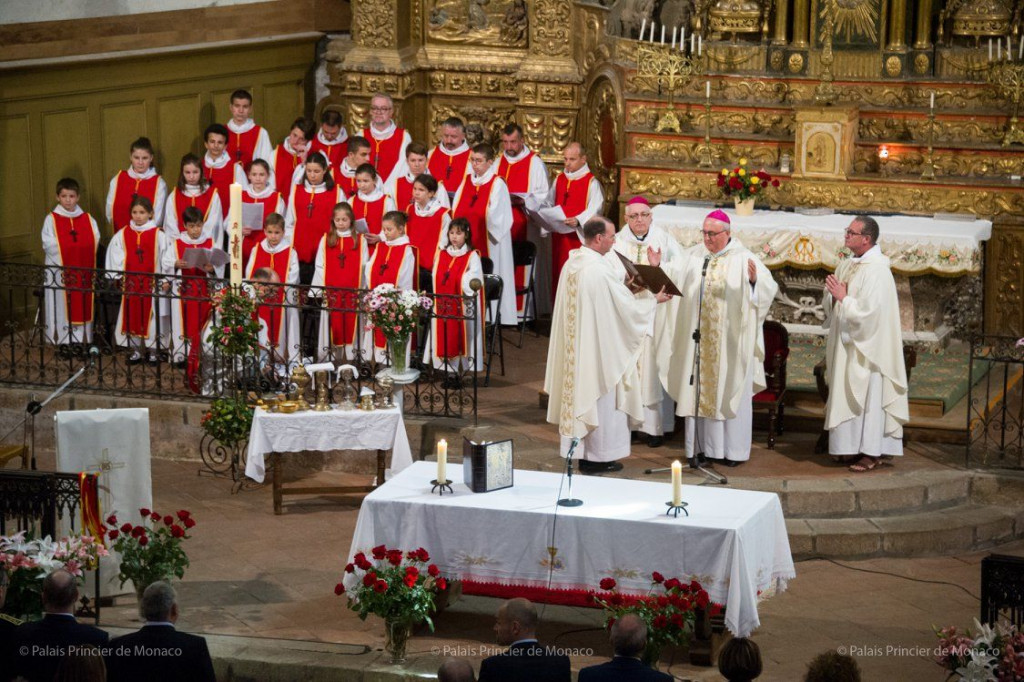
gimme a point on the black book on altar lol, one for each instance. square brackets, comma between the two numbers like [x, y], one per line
[487, 466]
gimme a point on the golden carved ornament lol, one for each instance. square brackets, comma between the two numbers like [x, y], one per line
[358, 115]
[547, 133]
[922, 63]
[897, 128]
[796, 62]
[978, 18]
[909, 161]
[1006, 253]
[732, 58]
[550, 27]
[660, 149]
[373, 23]
[893, 66]
[775, 123]
[602, 104]
[471, 83]
[777, 59]
[493, 23]
[483, 123]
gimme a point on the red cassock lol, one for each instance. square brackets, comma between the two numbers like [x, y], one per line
[335, 154]
[403, 191]
[347, 184]
[572, 196]
[221, 179]
[313, 215]
[448, 168]
[385, 266]
[451, 333]
[370, 211]
[343, 267]
[193, 296]
[271, 311]
[425, 233]
[270, 203]
[183, 201]
[384, 153]
[242, 146]
[77, 245]
[140, 259]
[472, 206]
[517, 177]
[126, 190]
[285, 164]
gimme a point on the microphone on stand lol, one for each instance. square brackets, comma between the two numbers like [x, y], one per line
[569, 501]
[704, 270]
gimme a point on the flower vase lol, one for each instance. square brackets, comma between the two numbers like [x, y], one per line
[396, 638]
[399, 351]
[744, 207]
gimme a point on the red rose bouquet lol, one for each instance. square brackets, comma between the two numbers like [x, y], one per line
[395, 585]
[152, 550]
[744, 184]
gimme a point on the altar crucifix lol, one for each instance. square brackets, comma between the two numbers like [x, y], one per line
[103, 467]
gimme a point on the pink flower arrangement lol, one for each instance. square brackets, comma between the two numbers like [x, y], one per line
[986, 653]
[393, 311]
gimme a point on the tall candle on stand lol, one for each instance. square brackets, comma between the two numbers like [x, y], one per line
[700, 45]
[643, 25]
[442, 460]
[652, 32]
[235, 234]
[707, 89]
[932, 104]
[675, 29]
[677, 483]
[682, 39]
[663, 34]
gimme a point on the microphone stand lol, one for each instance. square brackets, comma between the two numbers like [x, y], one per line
[569, 501]
[34, 407]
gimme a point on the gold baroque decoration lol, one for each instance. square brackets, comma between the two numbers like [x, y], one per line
[1009, 299]
[897, 129]
[373, 23]
[547, 133]
[853, 18]
[495, 23]
[358, 116]
[921, 64]
[687, 151]
[745, 122]
[777, 59]
[893, 66]
[483, 124]
[549, 34]
[463, 83]
[955, 163]
[924, 200]
[796, 62]
[601, 103]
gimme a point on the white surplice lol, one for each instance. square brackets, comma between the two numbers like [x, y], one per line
[287, 350]
[115, 265]
[343, 352]
[159, 199]
[400, 168]
[591, 377]
[55, 309]
[867, 400]
[213, 223]
[474, 271]
[407, 272]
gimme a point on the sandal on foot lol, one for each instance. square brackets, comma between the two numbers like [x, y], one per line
[862, 466]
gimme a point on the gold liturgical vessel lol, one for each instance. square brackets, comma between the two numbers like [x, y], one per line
[323, 392]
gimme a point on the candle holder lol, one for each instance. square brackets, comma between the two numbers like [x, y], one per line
[660, 67]
[1008, 78]
[825, 92]
[704, 155]
[674, 509]
[439, 488]
[928, 169]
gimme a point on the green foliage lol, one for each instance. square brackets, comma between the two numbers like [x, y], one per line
[395, 586]
[153, 550]
[228, 420]
[235, 331]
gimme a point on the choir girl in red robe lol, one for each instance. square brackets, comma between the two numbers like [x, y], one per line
[193, 191]
[392, 262]
[455, 343]
[259, 190]
[370, 203]
[340, 264]
[190, 306]
[282, 321]
[139, 180]
[428, 223]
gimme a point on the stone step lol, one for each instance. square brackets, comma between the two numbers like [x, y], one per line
[963, 528]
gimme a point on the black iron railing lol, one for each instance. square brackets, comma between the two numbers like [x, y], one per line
[995, 411]
[178, 360]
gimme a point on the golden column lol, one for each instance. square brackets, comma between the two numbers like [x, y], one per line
[923, 27]
[897, 26]
[801, 23]
[781, 19]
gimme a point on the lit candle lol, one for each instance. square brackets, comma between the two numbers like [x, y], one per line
[663, 34]
[677, 483]
[235, 234]
[442, 460]
[707, 89]
[990, 49]
[931, 105]
[643, 25]
[674, 30]
[693, 43]
[700, 45]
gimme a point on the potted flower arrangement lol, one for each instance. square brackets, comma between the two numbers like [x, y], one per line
[396, 313]
[236, 329]
[28, 561]
[744, 186]
[228, 420]
[669, 609]
[983, 654]
[398, 586]
[152, 550]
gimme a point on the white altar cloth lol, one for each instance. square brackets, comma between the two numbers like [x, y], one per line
[917, 245]
[326, 431]
[734, 541]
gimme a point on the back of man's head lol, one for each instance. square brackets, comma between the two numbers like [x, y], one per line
[832, 666]
[456, 670]
[522, 611]
[629, 635]
[60, 592]
[594, 227]
[158, 602]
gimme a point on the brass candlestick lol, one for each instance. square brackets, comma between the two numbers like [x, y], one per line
[825, 93]
[704, 154]
[323, 402]
[661, 67]
[928, 171]
[301, 379]
[1008, 78]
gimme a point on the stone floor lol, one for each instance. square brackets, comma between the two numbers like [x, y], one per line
[260, 586]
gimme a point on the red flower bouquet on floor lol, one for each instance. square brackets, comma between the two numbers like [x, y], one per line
[153, 550]
[669, 609]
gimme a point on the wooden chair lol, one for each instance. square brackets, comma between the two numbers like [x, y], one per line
[776, 352]
[9, 452]
[820, 372]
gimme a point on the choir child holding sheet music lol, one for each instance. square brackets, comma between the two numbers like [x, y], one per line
[218, 166]
[308, 216]
[340, 262]
[190, 306]
[260, 198]
[139, 180]
[193, 191]
[277, 309]
[70, 240]
[428, 222]
[393, 262]
[135, 257]
[455, 343]
[370, 202]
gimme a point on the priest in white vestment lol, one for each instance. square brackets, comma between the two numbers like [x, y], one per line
[867, 399]
[597, 334]
[715, 393]
[633, 241]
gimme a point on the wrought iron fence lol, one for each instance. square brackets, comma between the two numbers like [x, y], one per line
[149, 335]
[995, 411]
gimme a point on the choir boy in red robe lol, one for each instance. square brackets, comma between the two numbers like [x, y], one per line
[330, 140]
[139, 180]
[370, 203]
[190, 307]
[400, 187]
[358, 154]
[219, 167]
[290, 155]
[247, 140]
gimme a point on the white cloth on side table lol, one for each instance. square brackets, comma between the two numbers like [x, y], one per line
[125, 482]
[734, 541]
[324, 432]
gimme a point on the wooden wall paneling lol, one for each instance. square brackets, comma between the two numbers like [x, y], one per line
[17, 167]
[179, 130]
[282, 103]
[66, 148]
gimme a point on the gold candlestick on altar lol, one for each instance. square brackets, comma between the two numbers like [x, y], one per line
[704, 155]
[1008, 78]
[928, 171]
[661, 68]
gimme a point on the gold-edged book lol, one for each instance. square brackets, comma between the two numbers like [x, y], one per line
[651, 277]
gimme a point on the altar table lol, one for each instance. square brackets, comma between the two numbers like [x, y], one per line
[734, 541]
[271, 432]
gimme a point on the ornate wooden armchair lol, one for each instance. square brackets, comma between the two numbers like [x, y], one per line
[776, 352]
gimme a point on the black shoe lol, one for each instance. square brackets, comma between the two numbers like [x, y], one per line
[587, 467]
[179, 364]
[731, 462]
[634, 436]
[655, 441]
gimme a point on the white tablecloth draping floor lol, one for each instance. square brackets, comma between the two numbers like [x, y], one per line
[734, 541]
[325, 431]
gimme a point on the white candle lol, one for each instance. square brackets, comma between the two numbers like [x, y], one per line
[652, 31]
[990, 49]
[999, 50]
[674, 30]
[442, 460]
[700, 45]
[1020, 51]
[707, 89]
[643, 25]
[693, 43]
[235, 234]
[682, 39]
[663, 34]
[931, 105]
[677, 483]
